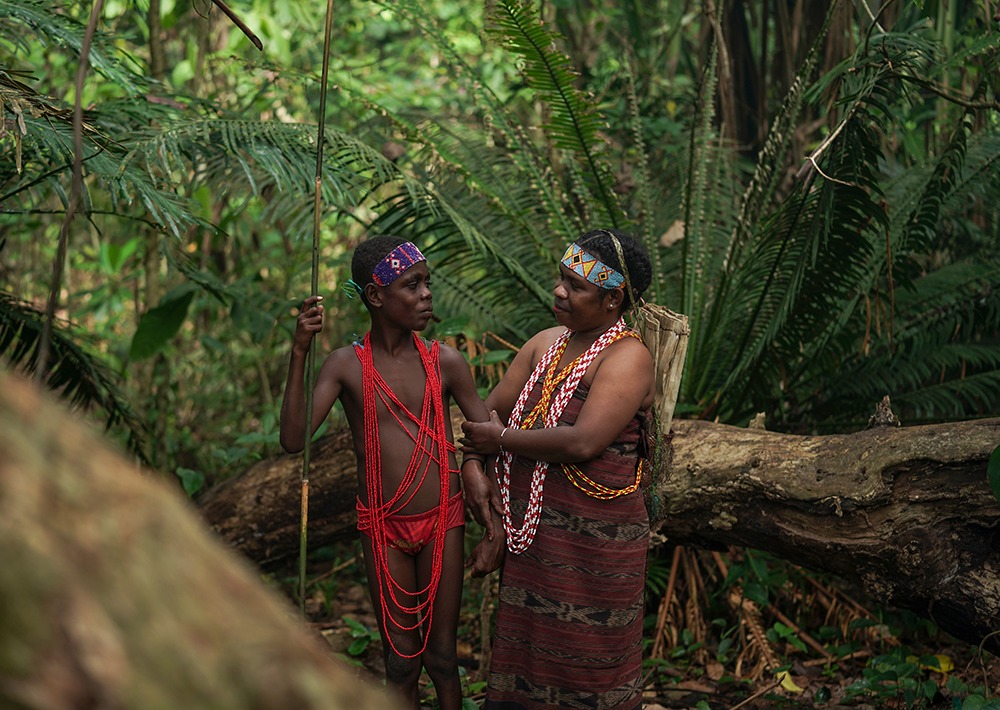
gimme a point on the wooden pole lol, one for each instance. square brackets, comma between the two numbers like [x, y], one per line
[311, 359]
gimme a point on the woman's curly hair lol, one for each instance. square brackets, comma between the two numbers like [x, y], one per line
[638, 270]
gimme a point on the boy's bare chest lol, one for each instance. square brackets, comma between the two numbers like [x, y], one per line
[404, 378]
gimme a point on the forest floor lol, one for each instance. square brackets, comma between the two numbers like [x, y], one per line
[899, 669]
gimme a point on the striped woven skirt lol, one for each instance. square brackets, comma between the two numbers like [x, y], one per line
[568, 632]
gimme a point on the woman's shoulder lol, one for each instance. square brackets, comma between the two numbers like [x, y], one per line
[630, 352]
[543, 339]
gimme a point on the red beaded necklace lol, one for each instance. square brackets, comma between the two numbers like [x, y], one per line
[431, 446]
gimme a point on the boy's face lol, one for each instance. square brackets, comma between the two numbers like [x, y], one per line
[406, 302]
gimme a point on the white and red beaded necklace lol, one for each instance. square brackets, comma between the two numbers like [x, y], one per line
[430, 445]
[550, 406]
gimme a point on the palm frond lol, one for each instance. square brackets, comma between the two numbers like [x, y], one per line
[502, 130]
[644, 188]
[38, 20]
[257, 157]
[711, 294]
[77, 376]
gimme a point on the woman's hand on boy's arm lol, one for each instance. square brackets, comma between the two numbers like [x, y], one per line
[483, 436]
[481, 496]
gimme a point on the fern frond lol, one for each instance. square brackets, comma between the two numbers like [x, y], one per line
[573, 123]
[77, 376]
[21, 20]
[510, 133]
[644, 187]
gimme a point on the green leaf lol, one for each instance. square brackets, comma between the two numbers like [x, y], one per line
[358, 647]
[450, 327]
[358, 629]
[993, 472]
[494, 356]
[191, 480]
[113, 256]
[158, 325]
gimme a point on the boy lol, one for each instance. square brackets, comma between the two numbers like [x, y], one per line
[395, 389]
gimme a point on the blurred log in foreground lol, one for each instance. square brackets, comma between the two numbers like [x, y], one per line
[904, 513]
[114, 595]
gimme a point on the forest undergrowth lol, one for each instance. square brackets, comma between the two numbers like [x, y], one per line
[724, 630]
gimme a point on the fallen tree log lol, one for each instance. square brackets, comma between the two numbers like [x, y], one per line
[905, 513]
[258, 511]
[116, 595]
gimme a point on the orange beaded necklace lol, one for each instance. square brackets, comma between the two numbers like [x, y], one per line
[557, 389]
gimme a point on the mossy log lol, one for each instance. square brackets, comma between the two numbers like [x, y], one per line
[906, 513]
[114, 594]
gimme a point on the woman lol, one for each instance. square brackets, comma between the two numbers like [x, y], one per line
[569, 626]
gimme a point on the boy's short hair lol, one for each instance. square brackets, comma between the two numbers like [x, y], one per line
[367, 255]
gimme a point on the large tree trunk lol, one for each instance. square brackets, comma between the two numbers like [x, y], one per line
[906, 513]
[115, 595]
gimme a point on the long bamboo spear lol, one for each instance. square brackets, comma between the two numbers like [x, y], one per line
[311, 358]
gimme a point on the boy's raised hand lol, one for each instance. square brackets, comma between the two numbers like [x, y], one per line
[308, 323]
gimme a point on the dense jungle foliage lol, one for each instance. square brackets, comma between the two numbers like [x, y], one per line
[818, 184]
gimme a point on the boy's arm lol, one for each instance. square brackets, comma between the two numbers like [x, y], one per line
[327, 389]
[481, 494]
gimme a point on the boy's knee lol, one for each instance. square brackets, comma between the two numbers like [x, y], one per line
[440, 662]
[401, 671]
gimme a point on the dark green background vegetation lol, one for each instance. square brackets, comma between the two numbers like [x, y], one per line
[818, 182]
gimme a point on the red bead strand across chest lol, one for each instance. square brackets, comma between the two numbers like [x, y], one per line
[430, 447]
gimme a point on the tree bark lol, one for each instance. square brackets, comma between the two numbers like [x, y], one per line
[906, 513]
[258, 511]
[115, 595]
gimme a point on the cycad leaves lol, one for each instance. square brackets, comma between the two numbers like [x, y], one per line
[801, 277]
[23, 19]
[79, 377]
[573, 123]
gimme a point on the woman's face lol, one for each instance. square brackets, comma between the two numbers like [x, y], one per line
[579, 304]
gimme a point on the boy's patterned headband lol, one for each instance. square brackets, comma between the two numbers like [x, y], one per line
[591, 268]
[396, 262]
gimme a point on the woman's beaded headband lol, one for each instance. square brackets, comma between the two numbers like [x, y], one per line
[396, 262]
[591, 268]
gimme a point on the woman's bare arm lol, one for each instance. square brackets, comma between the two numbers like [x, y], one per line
[622, 385]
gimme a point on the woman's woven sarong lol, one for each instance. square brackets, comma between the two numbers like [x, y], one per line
[569, 628]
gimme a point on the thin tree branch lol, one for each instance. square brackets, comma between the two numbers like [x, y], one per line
[959, 100]
[75, 192]
[239, 23]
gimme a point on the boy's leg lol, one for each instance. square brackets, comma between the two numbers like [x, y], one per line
[401, 673]
[441, 656]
